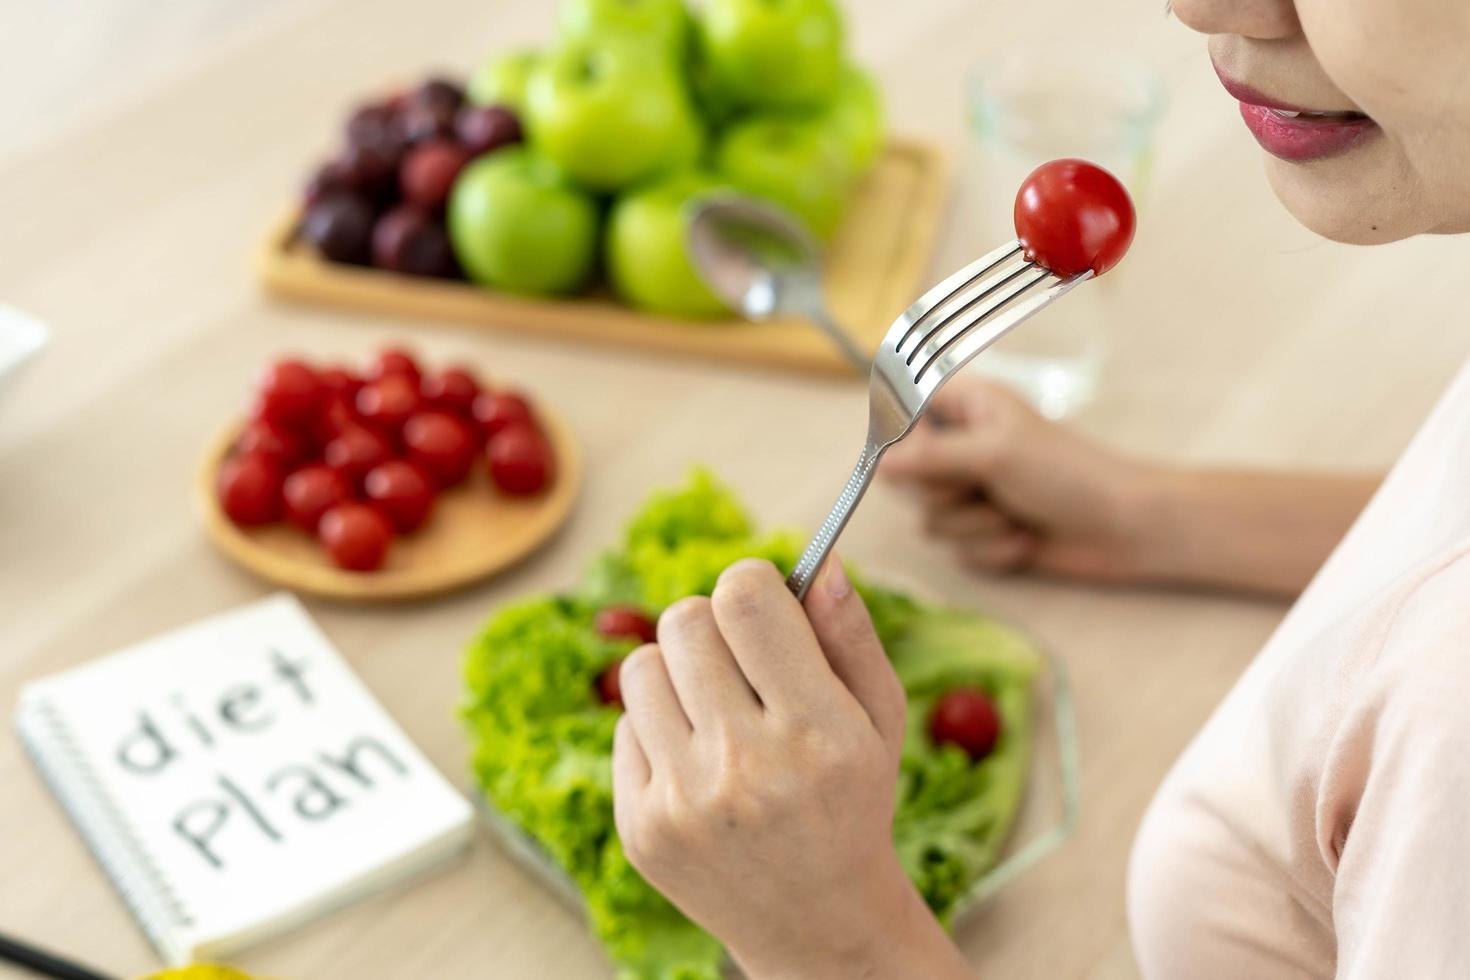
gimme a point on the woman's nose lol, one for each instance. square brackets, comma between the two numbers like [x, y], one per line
[1266, 20]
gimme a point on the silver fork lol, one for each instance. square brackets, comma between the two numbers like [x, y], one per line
[925, 347]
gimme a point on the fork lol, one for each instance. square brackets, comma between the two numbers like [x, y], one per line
[926, 346]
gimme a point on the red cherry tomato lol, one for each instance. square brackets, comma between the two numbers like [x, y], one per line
[388, 402]
[249, 489]
[402, 492]
[310, 492]
[1071, 216]
[625, 623]
[520, 461]
[610, 684]
[337, 413]
[267, 438]
[966, 717]
[339, 382]
[441, 444]
[356, 536]
[394, 360]
[495, 410]
[452, 390]
[354, 451]
[289, 393]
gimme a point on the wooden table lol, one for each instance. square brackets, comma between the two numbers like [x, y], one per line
[128, 225]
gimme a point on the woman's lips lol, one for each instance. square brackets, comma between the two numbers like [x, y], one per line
[1300, 137]
[1295, 133]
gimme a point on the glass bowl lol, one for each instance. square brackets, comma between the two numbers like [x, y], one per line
[1047, 817]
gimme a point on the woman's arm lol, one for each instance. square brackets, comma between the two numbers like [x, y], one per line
[1253, 531]
[1010, 491]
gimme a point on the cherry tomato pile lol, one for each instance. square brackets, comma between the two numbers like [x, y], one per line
[966, 717]
[380, 201]
[620, 623]
[1072, 216]
[356, 460]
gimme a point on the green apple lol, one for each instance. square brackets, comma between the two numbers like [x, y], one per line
[662, 22]
[502, 80]
[799, 163]
[773, 53]
[517, 224]
[608, 114]
[647, 256]
[856, 116]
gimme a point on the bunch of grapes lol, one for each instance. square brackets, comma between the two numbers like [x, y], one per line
[380, 201]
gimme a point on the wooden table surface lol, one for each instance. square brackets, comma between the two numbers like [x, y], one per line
[129, 209]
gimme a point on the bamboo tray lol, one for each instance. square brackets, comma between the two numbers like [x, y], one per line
[874, 267]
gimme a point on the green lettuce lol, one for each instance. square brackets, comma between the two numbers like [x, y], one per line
[542, 740]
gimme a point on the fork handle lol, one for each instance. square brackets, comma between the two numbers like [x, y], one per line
[821, 544]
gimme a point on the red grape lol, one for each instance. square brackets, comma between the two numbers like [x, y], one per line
[441, 444]
[966, 717]
[369, 169]
[519, 459]
[1072, 216]
[310, 492]
[402, 492]
[407, 240]
[482, 129]
[439, 92]
[428, 172]
[376, 125]
[356, 536]
[330, 178]
[340, 226]
[249, 488]
[625, 622]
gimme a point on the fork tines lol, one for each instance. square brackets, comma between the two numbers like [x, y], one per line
[941, 321]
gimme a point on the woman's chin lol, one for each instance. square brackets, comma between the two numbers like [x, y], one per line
[1358, 198]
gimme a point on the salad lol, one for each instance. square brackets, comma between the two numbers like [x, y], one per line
[540, 713]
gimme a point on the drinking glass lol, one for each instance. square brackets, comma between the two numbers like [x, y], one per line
[1028, 106]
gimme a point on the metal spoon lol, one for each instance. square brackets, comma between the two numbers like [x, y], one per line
[764, 264]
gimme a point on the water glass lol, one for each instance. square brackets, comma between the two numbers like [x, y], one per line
[1028, 106]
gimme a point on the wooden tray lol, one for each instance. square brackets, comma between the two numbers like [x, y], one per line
[874, 267]
[473, 533]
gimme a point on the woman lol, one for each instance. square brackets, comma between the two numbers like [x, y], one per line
[1315, 826]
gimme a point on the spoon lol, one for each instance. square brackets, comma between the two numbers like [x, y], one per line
[764, 264]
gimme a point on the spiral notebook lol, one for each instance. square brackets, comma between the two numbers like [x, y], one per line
[234, 779]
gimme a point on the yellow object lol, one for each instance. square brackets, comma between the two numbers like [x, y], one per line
[201, 971]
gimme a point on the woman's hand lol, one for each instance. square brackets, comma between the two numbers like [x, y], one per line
[1012, 491]
[754, 777]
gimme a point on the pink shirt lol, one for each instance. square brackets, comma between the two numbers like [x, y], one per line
[1319, 824]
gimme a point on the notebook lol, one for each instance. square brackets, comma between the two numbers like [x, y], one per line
[234, 778]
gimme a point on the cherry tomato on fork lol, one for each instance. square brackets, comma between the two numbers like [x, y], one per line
[1072, 216]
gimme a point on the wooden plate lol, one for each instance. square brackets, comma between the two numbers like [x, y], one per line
[875, 268]
[473, 533]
